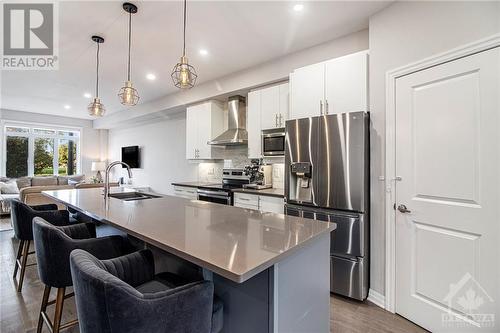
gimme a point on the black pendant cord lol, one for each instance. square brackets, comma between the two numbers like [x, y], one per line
[129, 42]
[97, 76]
[184, 47]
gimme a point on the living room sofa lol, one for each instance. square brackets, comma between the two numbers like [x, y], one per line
[30, 189]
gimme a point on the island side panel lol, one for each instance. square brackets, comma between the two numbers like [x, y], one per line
[247, 306]
[301, 290]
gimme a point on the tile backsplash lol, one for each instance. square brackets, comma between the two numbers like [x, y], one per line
[236, 157]
[210, 172]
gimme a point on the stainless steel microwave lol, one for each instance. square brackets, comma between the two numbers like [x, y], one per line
[273, 142]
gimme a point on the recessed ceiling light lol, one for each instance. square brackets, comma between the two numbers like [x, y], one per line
[67, 107]
[87, 95]
[298, 7]
[151, 76]
[203, 52]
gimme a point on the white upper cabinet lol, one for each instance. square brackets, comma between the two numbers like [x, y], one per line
[307, 91]
[274, 106]
[284, 96]
[270, 105]
[204, 122]
[335, 86]
[253, 124]
[346, 88]
[267, 108]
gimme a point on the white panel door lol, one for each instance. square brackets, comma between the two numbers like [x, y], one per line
[447, 246]
[253, 125]
[269, 107]
[346, 87]
[307, 91]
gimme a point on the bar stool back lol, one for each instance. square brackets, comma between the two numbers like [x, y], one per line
[53, 246]
[22, 221]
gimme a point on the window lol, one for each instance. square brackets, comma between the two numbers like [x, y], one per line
[41, 151]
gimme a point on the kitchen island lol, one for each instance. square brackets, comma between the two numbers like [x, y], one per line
[272, 271]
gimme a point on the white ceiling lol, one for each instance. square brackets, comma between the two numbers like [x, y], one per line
[237, 35]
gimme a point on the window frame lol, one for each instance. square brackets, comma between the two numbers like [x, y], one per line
[31, 143]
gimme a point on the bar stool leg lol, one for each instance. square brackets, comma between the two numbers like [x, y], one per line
[59, 308]
[23, 265]
[19, 252]
[43, 308]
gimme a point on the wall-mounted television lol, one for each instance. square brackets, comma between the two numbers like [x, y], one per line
[130, 155]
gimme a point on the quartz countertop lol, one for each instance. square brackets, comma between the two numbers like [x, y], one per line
[233, 242]
[194, 184]
[272, 192]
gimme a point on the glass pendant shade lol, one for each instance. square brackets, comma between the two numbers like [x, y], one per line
[128, 95]
[184, 75]
[96, 108]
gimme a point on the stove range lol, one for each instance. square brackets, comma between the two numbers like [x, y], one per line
[232, 178]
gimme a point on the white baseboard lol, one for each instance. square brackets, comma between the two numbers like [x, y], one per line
[376, 298]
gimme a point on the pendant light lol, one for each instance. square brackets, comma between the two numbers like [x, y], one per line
[128, 95]
[96, 108]
[184, 75]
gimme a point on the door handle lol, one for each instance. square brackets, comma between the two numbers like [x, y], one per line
[320, 107]
[402, 209]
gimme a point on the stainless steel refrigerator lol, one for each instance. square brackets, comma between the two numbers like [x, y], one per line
[327, 178]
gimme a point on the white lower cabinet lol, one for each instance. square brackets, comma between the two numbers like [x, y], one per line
[186, 192]
[271, 204]
[263, 203]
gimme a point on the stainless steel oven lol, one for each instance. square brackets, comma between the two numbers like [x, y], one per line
[273, 142]
[216, 196]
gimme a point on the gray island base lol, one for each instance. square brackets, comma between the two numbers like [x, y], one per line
[272, 271]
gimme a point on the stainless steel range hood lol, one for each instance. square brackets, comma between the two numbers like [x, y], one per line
[237, 119]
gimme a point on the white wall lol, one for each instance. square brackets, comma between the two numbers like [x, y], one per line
[91, 148]
[401, 34]
[272, 71]
[163, 153]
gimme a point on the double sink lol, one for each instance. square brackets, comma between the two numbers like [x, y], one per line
[133, 196]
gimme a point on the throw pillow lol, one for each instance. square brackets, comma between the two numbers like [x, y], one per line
[44, 181]
[76, 178]
[62, 180]
[23, 182]
[9, 188]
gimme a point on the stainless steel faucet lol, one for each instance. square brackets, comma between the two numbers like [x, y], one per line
[106, 178]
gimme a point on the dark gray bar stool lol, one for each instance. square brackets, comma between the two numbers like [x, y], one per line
[124, 295]
[22, 220]
[53, 246]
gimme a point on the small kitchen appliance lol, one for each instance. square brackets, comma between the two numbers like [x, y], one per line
[263, 178]
[273, 142]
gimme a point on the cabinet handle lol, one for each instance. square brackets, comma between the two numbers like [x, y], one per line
[281, 120]
[276, 119]
[326, 106]
[320, 107]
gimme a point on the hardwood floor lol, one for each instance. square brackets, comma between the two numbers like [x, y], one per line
[19, 311]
